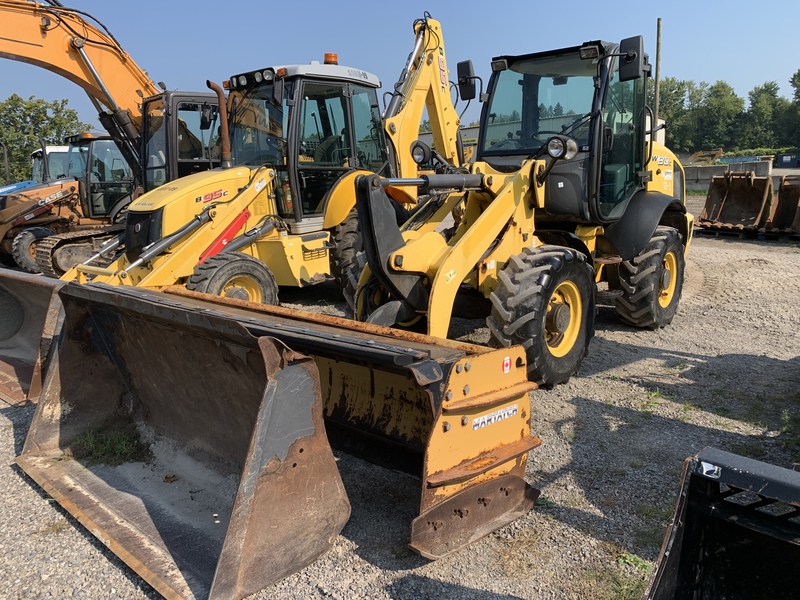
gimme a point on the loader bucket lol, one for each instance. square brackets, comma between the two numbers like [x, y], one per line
[28, 313]
[737, 202]
[785, 217]
[735, 532]
[205, 466]
[454, 415]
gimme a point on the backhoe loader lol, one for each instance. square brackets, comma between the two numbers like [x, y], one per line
[295, 211]
[93, 190]
[160, 134]
[565, 192]
[282, 211]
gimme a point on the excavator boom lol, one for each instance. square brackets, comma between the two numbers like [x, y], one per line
[64, 41]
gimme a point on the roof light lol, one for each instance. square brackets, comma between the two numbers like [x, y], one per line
[242, 80]
[233, 83]
[269, 75]
[501, 64]
[331, 58]
[590, 52]
[258, 76]
[281, 72]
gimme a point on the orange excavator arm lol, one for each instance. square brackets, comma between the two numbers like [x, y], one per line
[64, 41]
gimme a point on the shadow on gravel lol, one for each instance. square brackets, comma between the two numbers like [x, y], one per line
[20, 418]
[423, 588]
[383, 504]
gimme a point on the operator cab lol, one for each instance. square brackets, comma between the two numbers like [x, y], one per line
[312, 124]
[181, 136]
[576, 93]
[106, 177]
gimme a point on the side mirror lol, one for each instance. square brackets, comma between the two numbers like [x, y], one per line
[632, 61]
[466, 80]
[206, 117]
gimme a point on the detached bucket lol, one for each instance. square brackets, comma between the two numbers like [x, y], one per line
[785, 216]
[193, 450]
[737, 202]
[28, 318]
[735, 533]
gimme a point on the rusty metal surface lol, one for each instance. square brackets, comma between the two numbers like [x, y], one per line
[470, 515]
[27, 322]
[785, 217]
[737, 202]
[239, 468]
[188, 372]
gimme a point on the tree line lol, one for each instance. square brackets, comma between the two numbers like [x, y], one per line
[23, 123]
[706, 116]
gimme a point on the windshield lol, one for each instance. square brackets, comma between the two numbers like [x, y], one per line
[536, 98]
[258, 126]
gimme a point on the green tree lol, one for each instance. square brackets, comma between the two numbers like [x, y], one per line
[763, 122]
[718, 117]
[24, 122]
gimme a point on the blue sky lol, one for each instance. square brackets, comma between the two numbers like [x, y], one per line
[183, 43]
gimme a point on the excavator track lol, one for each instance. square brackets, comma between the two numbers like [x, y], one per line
[46, 250]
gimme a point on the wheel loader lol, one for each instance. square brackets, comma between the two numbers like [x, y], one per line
[161, 135]
[281, 211]
[566, 192]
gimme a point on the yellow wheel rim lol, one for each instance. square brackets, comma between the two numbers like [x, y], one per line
[563, 319]
[668, 280]
[242, 288]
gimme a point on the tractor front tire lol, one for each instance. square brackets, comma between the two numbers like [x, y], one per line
[23, 247]
[545, 300]
[652, 282]
[347, 243]
[235, 275]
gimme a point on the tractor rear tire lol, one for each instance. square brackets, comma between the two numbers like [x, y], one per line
[545, 301]
[347, 243]
[652, 282]
[23, 248]
[235, 275]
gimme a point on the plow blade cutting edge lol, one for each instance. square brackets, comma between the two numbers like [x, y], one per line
[29, 312]
[735, 532]
[235, 477]
[737, 202]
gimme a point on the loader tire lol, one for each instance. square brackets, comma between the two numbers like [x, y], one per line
[652, 282]
[545, 300]
[23, 248]
[347, 243]
[235, 275]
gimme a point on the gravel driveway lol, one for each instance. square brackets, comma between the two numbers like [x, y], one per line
[725, 374]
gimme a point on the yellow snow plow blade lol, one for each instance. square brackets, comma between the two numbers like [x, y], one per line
[206, 389]
[737, 202]
[27, 322]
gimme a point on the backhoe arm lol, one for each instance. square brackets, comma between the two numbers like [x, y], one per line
[423, 83]
[62, 40]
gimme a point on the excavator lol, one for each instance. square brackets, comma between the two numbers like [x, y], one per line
[281, 211]
[565, 193]
[159, 134]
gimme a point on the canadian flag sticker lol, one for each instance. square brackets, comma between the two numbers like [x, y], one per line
[507, 364]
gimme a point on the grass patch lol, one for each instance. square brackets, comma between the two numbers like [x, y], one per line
[54, 527]
[515, 554]
[116, 444]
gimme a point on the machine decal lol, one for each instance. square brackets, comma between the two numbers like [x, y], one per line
[495, 417]
[215, 195]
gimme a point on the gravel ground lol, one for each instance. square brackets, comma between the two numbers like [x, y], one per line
[724, 374]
